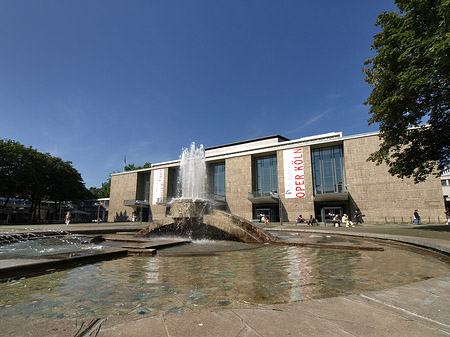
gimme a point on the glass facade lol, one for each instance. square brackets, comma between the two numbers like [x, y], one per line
[218, 175]
[328, 170]
[265, 177]
[172, 183]
[143, 191]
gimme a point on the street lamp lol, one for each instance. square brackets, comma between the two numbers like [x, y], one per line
[98, 204]
[140, 202]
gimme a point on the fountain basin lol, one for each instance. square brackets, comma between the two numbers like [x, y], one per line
[187, 208]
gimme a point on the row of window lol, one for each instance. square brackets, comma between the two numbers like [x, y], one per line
[327, 166]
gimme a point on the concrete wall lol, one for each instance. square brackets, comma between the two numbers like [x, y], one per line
[238, 182]
[123, 187]
[295, 206]
[380, 195]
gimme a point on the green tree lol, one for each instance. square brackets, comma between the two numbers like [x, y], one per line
[103, 191]
[29, 174]
[13, 169]
[132, 167]
[410, 76]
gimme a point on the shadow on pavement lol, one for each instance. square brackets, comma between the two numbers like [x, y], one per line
[436, 228]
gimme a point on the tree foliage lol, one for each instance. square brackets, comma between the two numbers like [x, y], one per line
[410, 76]
[132, 167]
[103, 191]
[29, 174]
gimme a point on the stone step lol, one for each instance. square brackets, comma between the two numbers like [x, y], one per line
[146, 245]
[136, 251]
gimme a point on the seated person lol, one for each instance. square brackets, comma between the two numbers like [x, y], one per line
[311, 220]
[300, 219]
[346, 221]
[337, 221]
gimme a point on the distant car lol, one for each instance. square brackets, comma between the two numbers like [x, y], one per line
[97, 220]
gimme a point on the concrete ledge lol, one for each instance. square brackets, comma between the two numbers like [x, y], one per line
[27, 267]
[442, 246]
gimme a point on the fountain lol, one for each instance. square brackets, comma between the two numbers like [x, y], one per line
[192, 214]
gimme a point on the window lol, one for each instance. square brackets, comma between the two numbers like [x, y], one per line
[218, 175]
[265, 177]
[328, 170]
[143, 190]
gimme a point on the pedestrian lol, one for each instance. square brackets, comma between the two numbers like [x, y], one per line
[357, 216]
[416, 215]
[67, 218]
[447, 214]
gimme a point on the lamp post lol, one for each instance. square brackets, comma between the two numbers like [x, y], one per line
[276, 196]
[140, 202]
[98, 204]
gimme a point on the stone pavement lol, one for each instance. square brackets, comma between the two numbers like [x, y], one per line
[417, 309]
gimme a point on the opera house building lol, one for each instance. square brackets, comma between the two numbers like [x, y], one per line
[281, 178]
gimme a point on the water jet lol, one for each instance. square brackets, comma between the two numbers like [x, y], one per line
[194, 215]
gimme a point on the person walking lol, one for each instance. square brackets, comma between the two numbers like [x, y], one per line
[447, 215]
[67, 218]
[357, 217]
[416, 215]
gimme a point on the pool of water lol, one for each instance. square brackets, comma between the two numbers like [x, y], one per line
[45, 246]
[214, 275]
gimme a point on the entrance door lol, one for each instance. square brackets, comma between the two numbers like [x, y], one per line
[328, 213]
[263, 211]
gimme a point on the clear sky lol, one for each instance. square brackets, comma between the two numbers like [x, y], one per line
[90, 81]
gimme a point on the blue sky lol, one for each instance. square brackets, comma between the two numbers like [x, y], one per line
[92, 80]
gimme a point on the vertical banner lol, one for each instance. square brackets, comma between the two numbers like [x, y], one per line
[294, 173]
[158, 186]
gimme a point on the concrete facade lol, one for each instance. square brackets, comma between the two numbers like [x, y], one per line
[380, 195]
[365, 186]
[238, 182]
[123, 187]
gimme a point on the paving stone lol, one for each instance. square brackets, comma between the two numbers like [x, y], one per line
[209, 323]
[299, 322]
[124, 326]
[42, 327]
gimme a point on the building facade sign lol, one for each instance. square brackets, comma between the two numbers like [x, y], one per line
[294, 173]
[158, 186]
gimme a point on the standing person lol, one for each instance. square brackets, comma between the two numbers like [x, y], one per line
[357, 217]
[447, 214]
[416, 215]
[67, 218]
